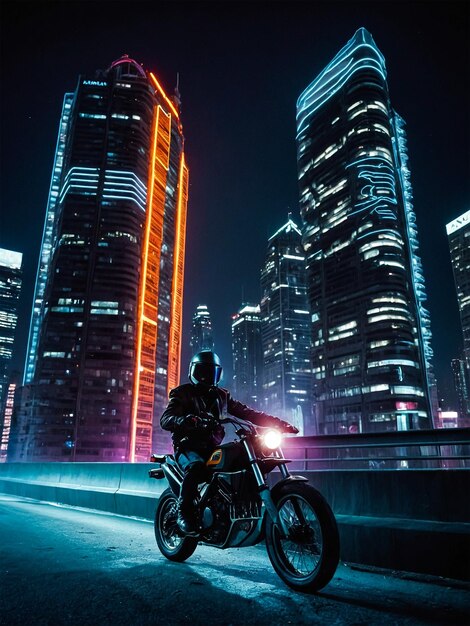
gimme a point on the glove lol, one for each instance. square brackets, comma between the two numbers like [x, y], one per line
[288, 428]
[189, 422]
[208, 420]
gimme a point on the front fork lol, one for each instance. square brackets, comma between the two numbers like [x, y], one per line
[264, 491]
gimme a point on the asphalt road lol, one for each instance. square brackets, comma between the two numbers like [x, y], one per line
[61, 565]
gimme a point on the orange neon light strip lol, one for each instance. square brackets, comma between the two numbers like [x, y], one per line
[135, 395]
[174, 347]
[148, 320]
[144, 377]
[163, 144]
[162, 92]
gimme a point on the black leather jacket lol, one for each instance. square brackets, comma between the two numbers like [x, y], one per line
[196, 400]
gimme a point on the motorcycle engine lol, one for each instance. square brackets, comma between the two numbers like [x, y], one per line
[220, 526]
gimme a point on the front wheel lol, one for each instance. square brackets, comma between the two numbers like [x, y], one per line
[169, 539]
[307, 559]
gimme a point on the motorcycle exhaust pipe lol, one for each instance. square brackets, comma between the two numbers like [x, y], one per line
[157, 473]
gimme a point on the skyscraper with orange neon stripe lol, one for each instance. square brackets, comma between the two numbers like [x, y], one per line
[105, 335]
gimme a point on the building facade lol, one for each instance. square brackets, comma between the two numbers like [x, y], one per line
[247, 355]
[285, 330]
[371, 352]
[105, 337]
[8, 406]
[458, 233]
[461, 384]
[10, 288]
[201, 330]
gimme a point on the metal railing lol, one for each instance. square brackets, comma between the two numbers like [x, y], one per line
[413, 449]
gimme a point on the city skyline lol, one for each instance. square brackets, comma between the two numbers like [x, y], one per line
[216, 208]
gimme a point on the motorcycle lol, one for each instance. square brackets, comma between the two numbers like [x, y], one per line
[238, 509]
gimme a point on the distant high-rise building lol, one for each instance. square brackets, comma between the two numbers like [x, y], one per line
[8, 405]
[461, 383]
[285, 330]
[105, 337]
[247, 354]
[201, 330]
[371, 333]
[458, 232]
[10, 288]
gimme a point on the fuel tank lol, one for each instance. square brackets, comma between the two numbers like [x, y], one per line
[229, 457]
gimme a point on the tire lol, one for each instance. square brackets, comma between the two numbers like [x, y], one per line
[308, 559]
[171, 543]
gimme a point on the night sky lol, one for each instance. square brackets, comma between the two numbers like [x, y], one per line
[242, 66]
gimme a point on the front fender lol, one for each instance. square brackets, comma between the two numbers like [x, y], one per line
[273, 496]
[285, 481]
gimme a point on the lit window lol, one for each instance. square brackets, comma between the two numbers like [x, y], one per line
[94, 116]
[384, 362]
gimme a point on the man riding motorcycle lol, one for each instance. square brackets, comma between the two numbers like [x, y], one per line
[193, 416]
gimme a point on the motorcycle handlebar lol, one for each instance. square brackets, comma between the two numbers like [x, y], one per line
[254, 427]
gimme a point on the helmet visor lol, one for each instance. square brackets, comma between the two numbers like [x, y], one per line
[206, 373]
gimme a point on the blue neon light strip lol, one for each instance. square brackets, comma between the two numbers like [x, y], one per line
[53, 206]
[118, 185]
[424, 321]
[379, 174]
[124, 174]
[358, 54]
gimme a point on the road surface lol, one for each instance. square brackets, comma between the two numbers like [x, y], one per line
[60, 565]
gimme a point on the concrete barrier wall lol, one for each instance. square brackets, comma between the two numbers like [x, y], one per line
[124, 489]
[411, 520]
[428, 494]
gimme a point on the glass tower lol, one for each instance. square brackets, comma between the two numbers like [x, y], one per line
[371, 333]
[10, 288]
[201, 330]
[458, 233]
[285, 330]
[247, 355]
[105, 338]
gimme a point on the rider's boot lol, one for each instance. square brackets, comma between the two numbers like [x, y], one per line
[187, 520]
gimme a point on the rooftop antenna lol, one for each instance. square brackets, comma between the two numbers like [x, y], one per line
[243, 295]
[177, 97]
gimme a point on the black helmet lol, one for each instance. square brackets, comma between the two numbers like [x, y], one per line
[205, 369]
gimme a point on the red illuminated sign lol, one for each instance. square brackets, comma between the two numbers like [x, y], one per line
[406, 406]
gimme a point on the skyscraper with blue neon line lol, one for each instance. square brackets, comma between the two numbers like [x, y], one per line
[371, 345]
[105, 335]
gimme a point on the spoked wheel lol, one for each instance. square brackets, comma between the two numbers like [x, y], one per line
[307, 559]
[172, 544]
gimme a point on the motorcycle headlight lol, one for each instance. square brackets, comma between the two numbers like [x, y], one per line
[272, 439]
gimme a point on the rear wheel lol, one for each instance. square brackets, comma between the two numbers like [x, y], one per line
[307, 559]
[169, 539]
